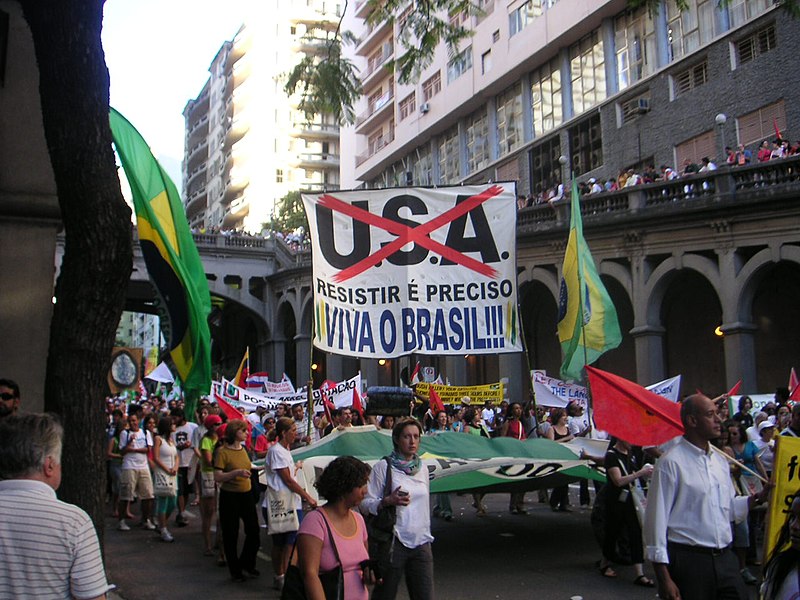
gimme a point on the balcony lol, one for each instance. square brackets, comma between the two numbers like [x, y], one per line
[375, 147]
[241, 71]
[309, 44]
[309, 16]
[321, 160]
[362, 9]
[378, 108]
[373, 37]
[194, 174]
[236, 128]
[315, 131]
[731, 190]
[375, 72]
[196, 203]
[318, 186]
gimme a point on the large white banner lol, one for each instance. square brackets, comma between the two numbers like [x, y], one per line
[403, 270]
[340, 394]
[669, 388]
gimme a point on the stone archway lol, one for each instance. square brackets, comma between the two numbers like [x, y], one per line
[690, 312]
[622, 359]
[539, 315]
[286, 333]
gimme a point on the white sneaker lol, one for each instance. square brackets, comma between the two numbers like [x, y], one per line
[123, 526]
[188, 513]
[166, 536]
[277, 582]
[149, 525]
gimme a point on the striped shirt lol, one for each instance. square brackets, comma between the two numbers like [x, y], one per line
[48, 548]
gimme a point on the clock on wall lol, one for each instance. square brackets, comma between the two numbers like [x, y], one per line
[123, 369]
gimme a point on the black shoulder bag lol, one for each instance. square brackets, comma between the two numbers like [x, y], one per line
[294, 587]
[380, 529]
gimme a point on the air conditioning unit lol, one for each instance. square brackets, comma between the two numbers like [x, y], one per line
[643, 105]
[424, 107]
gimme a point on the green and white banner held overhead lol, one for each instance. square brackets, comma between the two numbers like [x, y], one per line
[402, 270]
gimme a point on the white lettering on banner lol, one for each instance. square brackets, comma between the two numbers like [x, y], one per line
[404, 270]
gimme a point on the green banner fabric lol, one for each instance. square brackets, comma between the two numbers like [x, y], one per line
[172, 260]
[458, 461]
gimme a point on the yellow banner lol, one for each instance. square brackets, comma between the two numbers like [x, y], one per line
[452, 394]
[786, 476]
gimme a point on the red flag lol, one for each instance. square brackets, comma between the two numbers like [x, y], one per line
[434, 401]
[628, 411]
[793, 381]
[735, 389]
[777, 131]
[357, 404]
[415, 375]
[795, 395]
[330, 409]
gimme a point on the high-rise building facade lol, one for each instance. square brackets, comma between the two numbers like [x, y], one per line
[246, 144]
[603, 86]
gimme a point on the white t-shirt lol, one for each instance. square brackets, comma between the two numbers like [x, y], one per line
[136, 461]
[279, 457]
[183, 435]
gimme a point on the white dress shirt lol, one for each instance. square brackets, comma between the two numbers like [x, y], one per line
[413, 526]
[691, 501]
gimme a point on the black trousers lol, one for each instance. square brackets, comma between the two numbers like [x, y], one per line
[619, 516]
[701, 575]
[235, 507]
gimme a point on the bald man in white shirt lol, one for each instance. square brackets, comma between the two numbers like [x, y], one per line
[690, 507]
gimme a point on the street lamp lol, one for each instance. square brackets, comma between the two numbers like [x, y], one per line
[720, 120]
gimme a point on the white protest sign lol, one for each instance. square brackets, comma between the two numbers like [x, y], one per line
[403, 270]
[669, 388]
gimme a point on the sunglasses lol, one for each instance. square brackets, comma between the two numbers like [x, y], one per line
[7, 396]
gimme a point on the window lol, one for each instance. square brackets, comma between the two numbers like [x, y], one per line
[761, 41]
[459, 64]
[278, 175]
[546, 95]
[545, 168]
[496, 37]
[408, 105]
[509, 119]
[760, 124]
[695, 149]
[421, 165]
[689, 29]
[449, 165]
[477, 126]
[586, 144]
[519, 18]
[432, 86]
[690, 78]
[459, 18]
[741, 11]
[635, 43]
[486, 62]
[587, 68]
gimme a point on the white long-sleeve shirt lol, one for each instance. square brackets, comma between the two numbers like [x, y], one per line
[691, 501]
[413, 526]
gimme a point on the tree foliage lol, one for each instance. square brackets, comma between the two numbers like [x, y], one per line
[290, 214]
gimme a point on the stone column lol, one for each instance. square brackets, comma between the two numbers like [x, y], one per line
[276, 361]
[740, 356]
[302, 352]
[456, 369]
[512, 366]
[333, 366]
[649, 340]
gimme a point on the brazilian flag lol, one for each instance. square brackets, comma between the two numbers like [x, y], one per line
[587, 319]
[172, 260]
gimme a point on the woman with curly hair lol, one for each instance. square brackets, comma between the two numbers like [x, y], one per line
[343, 484]
[782, 573]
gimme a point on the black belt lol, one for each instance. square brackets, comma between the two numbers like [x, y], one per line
[699, 549]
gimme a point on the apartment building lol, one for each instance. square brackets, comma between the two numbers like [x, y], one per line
[591, 81]
[246, 145]
[139, 330]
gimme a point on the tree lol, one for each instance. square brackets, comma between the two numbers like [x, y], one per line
[90, 291]
[291, 214]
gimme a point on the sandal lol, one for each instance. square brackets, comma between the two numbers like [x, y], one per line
[607, 571]
[644, 581]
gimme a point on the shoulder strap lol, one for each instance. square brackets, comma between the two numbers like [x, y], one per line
[387, 486]
[330, 537]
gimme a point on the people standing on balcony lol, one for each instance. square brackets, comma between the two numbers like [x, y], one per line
[743, 156]
[777, 150]
[764, 152]
[708, 165]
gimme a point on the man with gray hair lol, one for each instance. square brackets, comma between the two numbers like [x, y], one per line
[48, 548]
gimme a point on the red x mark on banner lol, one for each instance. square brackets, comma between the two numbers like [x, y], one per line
[406, 234]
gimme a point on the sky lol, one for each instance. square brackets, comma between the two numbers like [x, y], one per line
[158, 53]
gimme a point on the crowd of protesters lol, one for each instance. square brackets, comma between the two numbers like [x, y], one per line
[733, 157]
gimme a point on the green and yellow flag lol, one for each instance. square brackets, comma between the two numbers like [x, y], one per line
[171, 256]
[587, 319]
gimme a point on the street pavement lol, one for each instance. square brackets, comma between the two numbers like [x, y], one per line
[542, 556]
